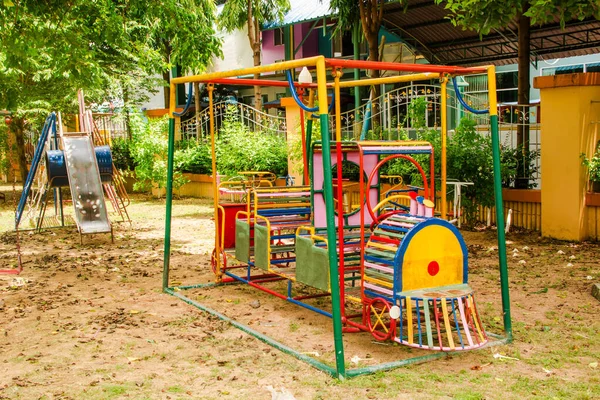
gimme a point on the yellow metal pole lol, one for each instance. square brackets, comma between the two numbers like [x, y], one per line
[172, 99]
[492, 90]
[390, 79]
[444, 132]
[337, 74]
[281, 66]
[211, 114]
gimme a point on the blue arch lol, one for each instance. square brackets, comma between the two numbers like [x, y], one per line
[399, 259]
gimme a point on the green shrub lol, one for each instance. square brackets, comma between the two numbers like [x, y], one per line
[593, 165]
[509, 163]
[194, 158]
[121, 154]
[149, 151]
[240, 149]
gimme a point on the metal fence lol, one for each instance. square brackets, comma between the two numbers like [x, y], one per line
[111, 125]
[198, 128]
[392, 116]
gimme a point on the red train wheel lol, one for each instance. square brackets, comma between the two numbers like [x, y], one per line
[381, 326]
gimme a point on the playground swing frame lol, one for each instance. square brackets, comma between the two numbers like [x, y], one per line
[321, 65]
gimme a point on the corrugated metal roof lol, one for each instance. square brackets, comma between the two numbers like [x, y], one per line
[424, 25]
[302, 11]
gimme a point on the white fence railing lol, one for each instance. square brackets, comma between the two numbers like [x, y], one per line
[392, 116]
[254, 119]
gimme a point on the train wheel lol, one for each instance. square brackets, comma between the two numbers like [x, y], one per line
[381, 326]
[213, 261]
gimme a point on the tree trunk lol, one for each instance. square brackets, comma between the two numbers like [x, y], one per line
[17, 127]
[522, 180]
[257, 89]
[373, 41]
[167, 89]
[167, 74]
[197, 105]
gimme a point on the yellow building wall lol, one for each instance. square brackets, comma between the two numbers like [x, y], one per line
[292, 123]
[567, 117]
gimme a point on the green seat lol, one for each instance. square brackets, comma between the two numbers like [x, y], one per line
[242, 240]
[312, 264]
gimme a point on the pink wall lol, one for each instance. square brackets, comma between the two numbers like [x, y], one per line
[272, 53]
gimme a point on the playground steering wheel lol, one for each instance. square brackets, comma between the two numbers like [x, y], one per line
[391, 200]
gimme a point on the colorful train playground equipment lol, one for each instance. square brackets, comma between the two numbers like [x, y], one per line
[81, 161]
[391, 265]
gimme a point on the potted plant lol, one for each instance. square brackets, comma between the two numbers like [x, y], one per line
[593, 166]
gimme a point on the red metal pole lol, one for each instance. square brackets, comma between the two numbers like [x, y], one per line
[257, 82]
[391, 66]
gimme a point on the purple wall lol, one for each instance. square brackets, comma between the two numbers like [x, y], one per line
[310, 47]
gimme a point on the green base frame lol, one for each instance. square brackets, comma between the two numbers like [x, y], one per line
[350, 373]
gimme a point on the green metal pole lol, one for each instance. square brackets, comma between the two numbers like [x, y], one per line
[260, 336]
[500, 227]
[167, 255]
[331, 247]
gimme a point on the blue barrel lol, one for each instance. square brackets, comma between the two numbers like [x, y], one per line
[56, 168]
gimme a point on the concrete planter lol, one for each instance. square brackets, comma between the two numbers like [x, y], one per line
[199, 185]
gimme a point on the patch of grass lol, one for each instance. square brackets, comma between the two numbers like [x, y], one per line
[294, 326]
[175, 389]
[113, 391]
[183, 321]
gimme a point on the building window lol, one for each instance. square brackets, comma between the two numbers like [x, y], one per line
[278, 37]
[507, 85]
[592, 67]
[341, 44]
[563, 69]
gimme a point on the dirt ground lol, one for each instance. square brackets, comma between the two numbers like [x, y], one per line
[91, 322]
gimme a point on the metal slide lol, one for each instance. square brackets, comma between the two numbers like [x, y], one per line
[91, 215]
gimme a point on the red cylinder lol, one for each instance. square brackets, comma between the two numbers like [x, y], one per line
[231, 209]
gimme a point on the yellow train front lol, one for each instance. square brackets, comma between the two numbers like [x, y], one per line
[415, 285]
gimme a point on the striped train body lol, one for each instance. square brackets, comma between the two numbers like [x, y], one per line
[420, 264]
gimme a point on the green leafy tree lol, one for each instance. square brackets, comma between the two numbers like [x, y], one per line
[252, 14]
[183, 32]
[483, 16]
[108, 48]
[370, 15]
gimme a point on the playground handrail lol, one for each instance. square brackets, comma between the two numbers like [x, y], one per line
[39, 150]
